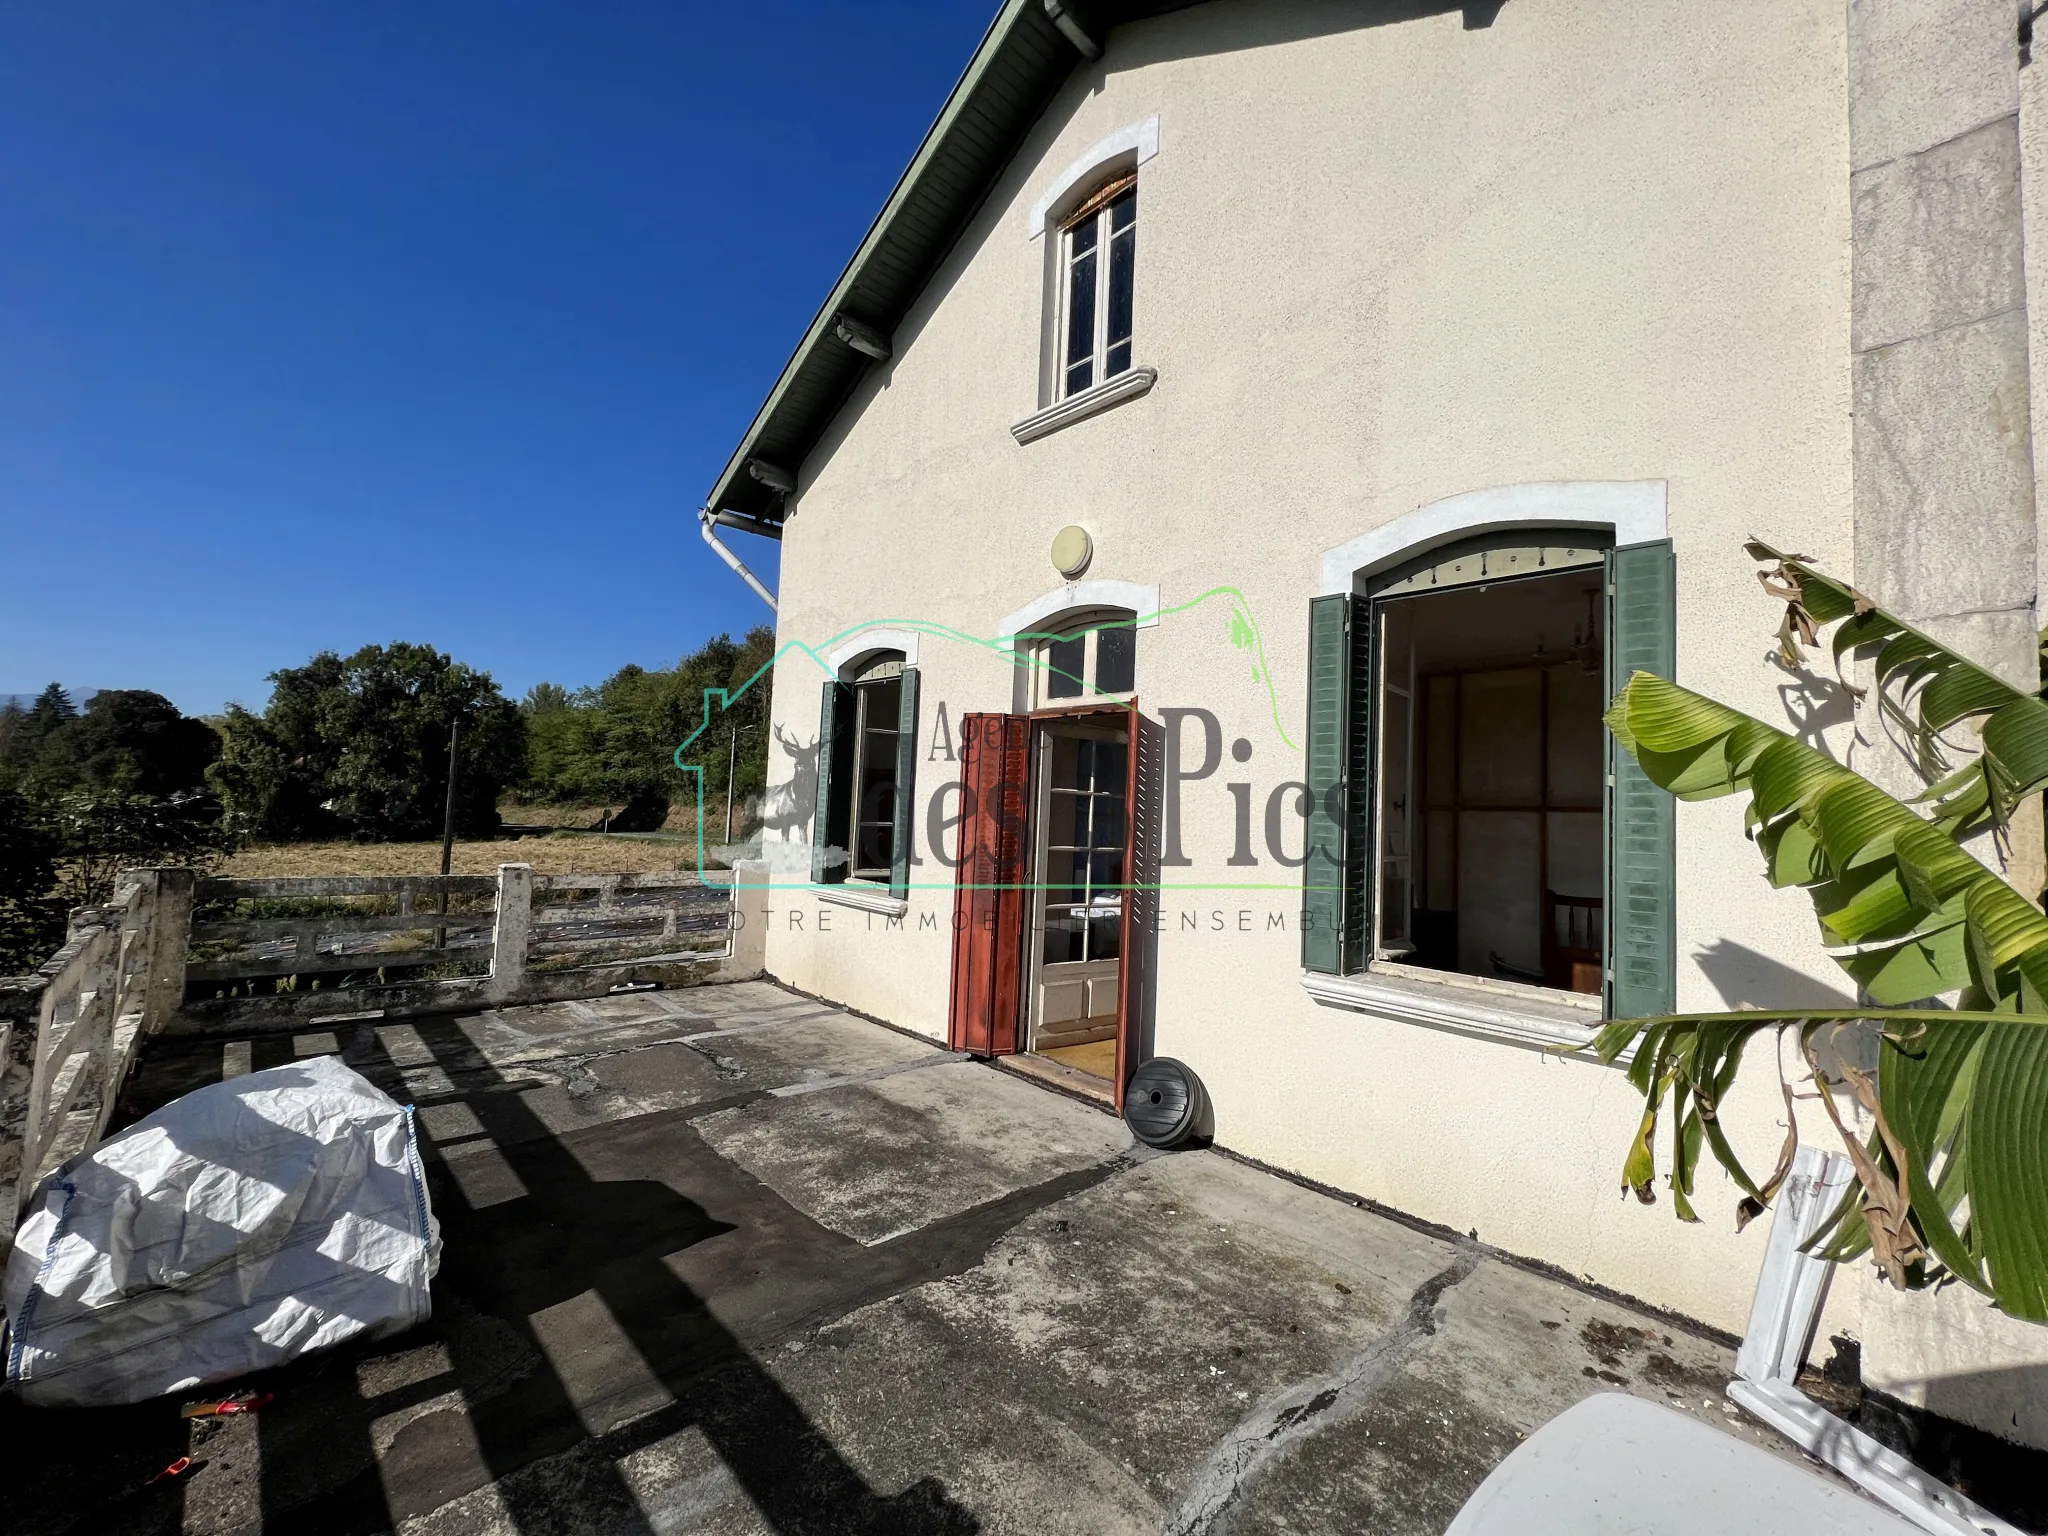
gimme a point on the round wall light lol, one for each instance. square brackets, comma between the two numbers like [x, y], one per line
[1071, 551]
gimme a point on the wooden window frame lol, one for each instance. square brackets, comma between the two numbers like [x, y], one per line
[1095, 210]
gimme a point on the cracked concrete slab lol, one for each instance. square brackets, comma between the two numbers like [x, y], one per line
[944, 1300]
[1511, 1350]
[881, 1158]
[814, 1049]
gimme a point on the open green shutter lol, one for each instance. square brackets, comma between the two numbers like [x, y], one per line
[1642, 820]
[830, 826]
[906, 782]
[1338, 754]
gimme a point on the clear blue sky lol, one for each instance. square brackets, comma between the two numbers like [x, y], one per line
[340, 321]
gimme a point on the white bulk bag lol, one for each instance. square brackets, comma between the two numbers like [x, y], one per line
[236, 1228]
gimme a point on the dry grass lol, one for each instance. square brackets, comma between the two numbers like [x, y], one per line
[548, 856]
[682, 815]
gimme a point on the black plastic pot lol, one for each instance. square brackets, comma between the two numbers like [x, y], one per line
[1165, 1104]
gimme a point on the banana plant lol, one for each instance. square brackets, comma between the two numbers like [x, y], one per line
[1952, 1181]
[1924, 690]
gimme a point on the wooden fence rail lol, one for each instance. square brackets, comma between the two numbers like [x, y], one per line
[142, 965]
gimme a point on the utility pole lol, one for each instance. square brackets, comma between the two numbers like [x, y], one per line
[732, 750]
[448, 828]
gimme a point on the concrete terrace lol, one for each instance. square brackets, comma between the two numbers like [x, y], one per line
[729, 1260]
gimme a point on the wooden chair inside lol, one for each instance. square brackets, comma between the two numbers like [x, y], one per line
[1571, 942]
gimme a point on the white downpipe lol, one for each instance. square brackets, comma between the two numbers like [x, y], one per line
[739, 569]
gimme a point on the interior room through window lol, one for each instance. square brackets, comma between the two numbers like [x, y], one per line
[1491, 761]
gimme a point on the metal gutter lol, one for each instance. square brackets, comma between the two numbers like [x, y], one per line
[1025, 57]
[731, 481]
[709, 523]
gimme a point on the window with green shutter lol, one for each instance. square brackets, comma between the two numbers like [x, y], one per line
[829, 834]
[867, 762]
[1333, 905]
[1458, 767]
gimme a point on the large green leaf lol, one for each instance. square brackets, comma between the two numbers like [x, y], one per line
[2008, 1167]
[1961, 1092]
[1887, 885]
[1954, 1183]
[1924, 689]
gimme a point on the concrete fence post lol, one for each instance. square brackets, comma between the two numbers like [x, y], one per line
[167, 896]
[747, 954]
[509, 931]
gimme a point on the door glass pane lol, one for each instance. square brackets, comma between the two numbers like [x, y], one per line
[1066, 938]
[1109, 822]
[1109, 769]
[1062, 813]
[1105, 937]
[1065, 661]
[1116, 659]
[1107, 870]
[1065, 878]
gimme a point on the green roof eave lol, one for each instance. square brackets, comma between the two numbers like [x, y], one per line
[811, 388]
[1022, 61]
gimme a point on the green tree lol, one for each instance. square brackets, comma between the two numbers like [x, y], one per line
[128, 740]
[27, 734]
[616, 743]
[1952, 1182]
[31, 915]
[357, 747]
[545, 699]
[100, 832]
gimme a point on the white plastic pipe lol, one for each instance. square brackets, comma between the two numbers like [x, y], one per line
[739, 569]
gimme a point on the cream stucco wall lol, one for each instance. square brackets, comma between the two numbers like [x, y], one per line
[1378, 266]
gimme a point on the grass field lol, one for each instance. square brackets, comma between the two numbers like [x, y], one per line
[547, 855]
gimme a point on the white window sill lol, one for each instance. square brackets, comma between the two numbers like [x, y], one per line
[1466, 1005]
[865, 897]
[1128, 385]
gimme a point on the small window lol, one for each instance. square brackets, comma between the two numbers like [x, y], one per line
[1093, 656]
[878, 711]
[867, 731]
[1099, 254]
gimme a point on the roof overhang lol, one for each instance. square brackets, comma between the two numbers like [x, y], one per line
[1028, 53]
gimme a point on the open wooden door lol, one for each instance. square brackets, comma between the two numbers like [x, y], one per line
[1143, 765]
[988, 899]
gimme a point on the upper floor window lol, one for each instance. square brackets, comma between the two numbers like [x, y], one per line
[1099, 254]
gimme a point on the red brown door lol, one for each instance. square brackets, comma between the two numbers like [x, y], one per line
[1141, 897]
[988, 899]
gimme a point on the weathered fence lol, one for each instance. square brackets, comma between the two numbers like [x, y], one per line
[179, 954]
[68, 1033]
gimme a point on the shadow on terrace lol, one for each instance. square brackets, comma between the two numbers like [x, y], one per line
[571, 1301]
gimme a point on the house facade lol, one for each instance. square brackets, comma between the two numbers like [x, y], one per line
[1222, 493]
